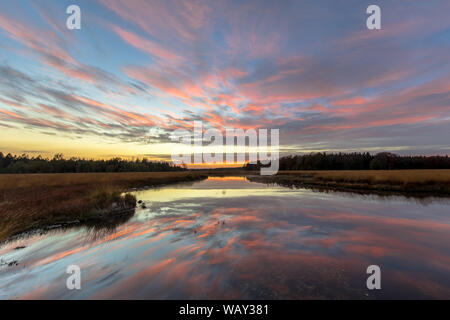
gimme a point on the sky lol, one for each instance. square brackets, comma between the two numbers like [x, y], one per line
[138, 70]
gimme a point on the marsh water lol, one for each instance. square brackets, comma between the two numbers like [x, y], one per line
[229, 238]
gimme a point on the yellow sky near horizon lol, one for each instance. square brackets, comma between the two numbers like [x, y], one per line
[20, 141]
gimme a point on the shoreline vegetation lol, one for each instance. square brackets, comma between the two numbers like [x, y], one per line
[42, 194]
[30, 202]
[430, 182]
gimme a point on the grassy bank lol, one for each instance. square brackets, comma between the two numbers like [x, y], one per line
[34, 201]
[427, 182]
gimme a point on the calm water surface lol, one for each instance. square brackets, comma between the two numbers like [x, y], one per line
[228, 238]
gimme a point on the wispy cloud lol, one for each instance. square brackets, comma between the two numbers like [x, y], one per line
[312, 70]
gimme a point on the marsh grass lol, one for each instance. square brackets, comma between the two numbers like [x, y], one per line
[399, 177]
[33, 201]
[433, 182]
[125, 179]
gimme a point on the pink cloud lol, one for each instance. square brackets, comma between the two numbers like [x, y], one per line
[148, 46]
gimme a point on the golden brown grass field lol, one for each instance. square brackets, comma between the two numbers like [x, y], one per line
[126, 179]
[380, 176]
[429, 182]
[31, 201]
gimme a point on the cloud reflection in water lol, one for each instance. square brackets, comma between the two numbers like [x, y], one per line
[231, 238]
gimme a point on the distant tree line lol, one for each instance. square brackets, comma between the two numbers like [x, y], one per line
[26, 164]
[358, 161]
